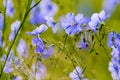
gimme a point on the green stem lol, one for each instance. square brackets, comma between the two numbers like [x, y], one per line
[58, 57]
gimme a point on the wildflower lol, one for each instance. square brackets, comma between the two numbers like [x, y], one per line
[14, 28]
[38, 41]
[113, 39]
[73, 24]
[96, 19]
[49, 52]
[83, 44]
[18, 78]
[8, 66]
[38, 71]
[109, 9]
[50, 22]
[22, 48]
[1, 21]
[40, 47]
[9, 8]
[77, 74]
[47, 6]
[39, 13]
[114, 65]
[1, 42]
[39, 30]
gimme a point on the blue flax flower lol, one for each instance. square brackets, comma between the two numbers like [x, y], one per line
[113, 39]
[40, 47]
[73, 24]
[18, 78]
[8, 66]
[96, 19]
[83, 44]
[39, 13]
[77, 74]
[114, 65]
[22, 49]
[14, 28]
[109, 5]
[9, 8]
[38, 71]
[38, 43]
[51, 23]
[39, 30]
[49, 52]
[1, 21]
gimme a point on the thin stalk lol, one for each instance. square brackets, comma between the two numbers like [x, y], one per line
[58, 57]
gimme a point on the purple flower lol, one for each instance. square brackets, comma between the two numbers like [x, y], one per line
[113, 39]
[96, 19]
[39, 13]
[9, 8]
[14, 28]
[83, 45]
[73, 24]
[49, 52]
[1, 42]
[8, 66]
[1, 21]
[39, 45]
[47, 6]
[77, 74]
[22, 49]
[114, 65]
[18, 78]
[109, 5]
[39, 30]
[38, 71]
[51, 23]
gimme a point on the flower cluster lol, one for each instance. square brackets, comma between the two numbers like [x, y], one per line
[77, 74]
[114, 65]
[37, 41]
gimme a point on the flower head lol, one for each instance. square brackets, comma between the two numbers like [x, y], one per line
[49, 52]
[77, 74]
[1, 21]
[39, 13]
[73, 24]
[113, 40]
[14, 28]
[9, 8]
[18, 78]
[39, 30]
[109, 5]
[8, 66]
[38, 71]
[22, 48]
[51, 23]
[40, 47]
[96, 19]
[114, 65]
